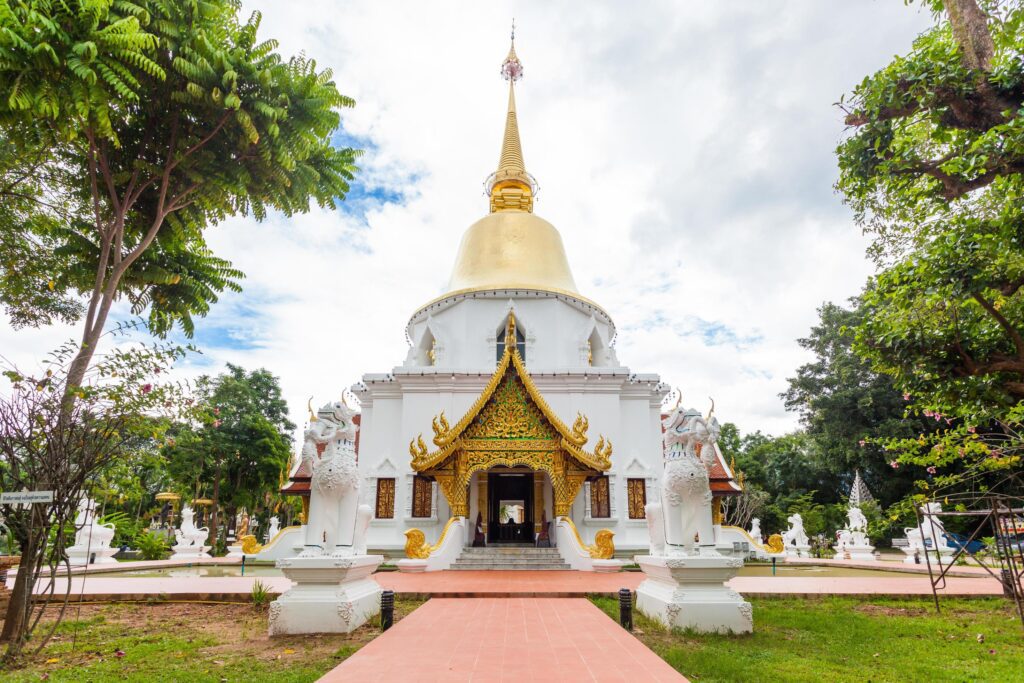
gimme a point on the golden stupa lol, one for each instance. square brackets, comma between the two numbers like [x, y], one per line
[511, 248]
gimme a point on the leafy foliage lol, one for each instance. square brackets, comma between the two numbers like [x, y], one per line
[151, 545]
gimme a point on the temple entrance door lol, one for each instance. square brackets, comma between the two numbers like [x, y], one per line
[510, 503]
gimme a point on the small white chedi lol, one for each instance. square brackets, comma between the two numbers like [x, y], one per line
[189, 538]
[333, 591]
[928, 537]
[685, 575]
[852, 542]
[795, 538]
[92, 539]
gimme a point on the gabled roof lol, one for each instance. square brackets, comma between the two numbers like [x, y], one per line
[448, 439]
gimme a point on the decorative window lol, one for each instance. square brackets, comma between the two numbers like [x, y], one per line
[422, 497]
[520, 343]
[385, 498]
[600, 498]
[636, 491]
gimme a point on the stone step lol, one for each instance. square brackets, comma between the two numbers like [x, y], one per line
[498, 560]
[501, 567]
[525, 552]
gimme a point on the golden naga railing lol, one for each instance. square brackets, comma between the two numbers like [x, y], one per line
[603, 547]
[416, 547]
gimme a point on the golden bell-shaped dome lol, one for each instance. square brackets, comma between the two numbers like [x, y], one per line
[512, 249]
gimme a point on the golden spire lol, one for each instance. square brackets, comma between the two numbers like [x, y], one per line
[511, 187]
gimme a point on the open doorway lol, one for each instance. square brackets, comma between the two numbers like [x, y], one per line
[510, 499]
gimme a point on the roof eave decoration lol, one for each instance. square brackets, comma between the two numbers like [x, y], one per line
[449, 439]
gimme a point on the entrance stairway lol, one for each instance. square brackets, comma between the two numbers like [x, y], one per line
[509, 557]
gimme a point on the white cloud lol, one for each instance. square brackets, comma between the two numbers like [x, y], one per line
[685, 151]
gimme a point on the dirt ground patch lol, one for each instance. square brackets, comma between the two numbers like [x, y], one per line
[888, 611]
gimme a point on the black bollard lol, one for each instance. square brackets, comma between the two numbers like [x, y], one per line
[243, 565]
[773, 566]
[387, 610]
[626, 609]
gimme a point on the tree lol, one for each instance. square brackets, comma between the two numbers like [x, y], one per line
[239, 444]
[933, 172]
[168, 117]
[48, 444]
[849, 410]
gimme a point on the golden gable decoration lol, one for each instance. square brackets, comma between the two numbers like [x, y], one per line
[510, 424]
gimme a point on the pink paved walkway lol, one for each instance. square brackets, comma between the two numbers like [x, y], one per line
[513, 639]
[548, 584]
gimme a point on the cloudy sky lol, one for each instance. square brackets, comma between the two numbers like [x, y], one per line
[684, 151]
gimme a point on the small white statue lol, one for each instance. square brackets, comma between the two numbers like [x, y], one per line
[856, 520]
[337, 522]
[795, 534]
[934, 532]
[755, 530]
[188, 535]
[272, 528]
[685, 510]
[90, 535]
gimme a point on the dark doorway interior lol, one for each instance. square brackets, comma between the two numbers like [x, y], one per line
[510, 498]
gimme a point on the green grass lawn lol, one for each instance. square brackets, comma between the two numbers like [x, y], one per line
[186, 642]
[850, 639]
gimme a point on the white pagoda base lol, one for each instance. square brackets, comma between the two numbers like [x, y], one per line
[690, 593]
[78, 556]
[331, 595]
[858, 553]
[235, 550]
[945, 555]
[190, 552]
[798, 551]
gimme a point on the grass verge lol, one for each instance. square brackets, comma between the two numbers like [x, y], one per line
[187, 642]
[849, 639]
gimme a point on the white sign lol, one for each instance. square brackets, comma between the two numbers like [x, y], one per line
[26, 497]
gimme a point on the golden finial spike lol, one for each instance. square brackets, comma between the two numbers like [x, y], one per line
[510, 331]
[511, 187]
[679, 401]
[309, 407]
[712, 411]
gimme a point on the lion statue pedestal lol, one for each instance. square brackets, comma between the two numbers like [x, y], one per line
[852, 542]
[685, 575]
[334, 591]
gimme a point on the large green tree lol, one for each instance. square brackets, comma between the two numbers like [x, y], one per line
[933, 170]
[167, 116]
[236, 450]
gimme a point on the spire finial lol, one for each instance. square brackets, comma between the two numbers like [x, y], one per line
[511, 187]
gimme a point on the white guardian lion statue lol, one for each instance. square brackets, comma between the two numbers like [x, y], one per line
[684, 514]
[188, 534]
[795, 534]
[856, 520]
[337, 522]
[934, 532]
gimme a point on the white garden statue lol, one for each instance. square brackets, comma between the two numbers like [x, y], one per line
[755, 530]
[795, 538]
[929, 537]
[189, 538]
[92, 539]
[852, 542]
[856, 519]
[272, 528]
[333, 591]
[685, 574]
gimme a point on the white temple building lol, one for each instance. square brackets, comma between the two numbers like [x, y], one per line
[512, 408]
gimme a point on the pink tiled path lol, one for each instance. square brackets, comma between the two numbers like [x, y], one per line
[511, 639]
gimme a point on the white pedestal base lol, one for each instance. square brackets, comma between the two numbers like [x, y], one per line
[858, 553]
[798, 551]
[945, 556]
[80, 556]
[190, 552]
[331, 595]
[411, 566]
[607, 566]
[235, 550]
[690, 593]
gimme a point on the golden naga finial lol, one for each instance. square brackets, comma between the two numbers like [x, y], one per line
[603, 449]
[309, 407]
[418, 449]
[679, 401]
[712, 411]
[343, 401]
[579, 429]
[441, 429]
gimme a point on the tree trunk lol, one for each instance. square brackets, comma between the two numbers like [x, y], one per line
[970, 29]
[17, 610]
[212, 536]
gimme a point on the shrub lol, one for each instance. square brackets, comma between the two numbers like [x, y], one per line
[151, 545]
[260, 594]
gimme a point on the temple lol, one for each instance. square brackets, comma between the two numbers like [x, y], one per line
[511, 411]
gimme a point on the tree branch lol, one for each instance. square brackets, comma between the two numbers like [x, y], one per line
[1011, 331]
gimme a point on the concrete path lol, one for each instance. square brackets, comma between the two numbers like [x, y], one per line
[512, 639]
[546, 584]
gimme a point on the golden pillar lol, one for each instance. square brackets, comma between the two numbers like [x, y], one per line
[538, 500]
[716, 510]
[481, 498]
